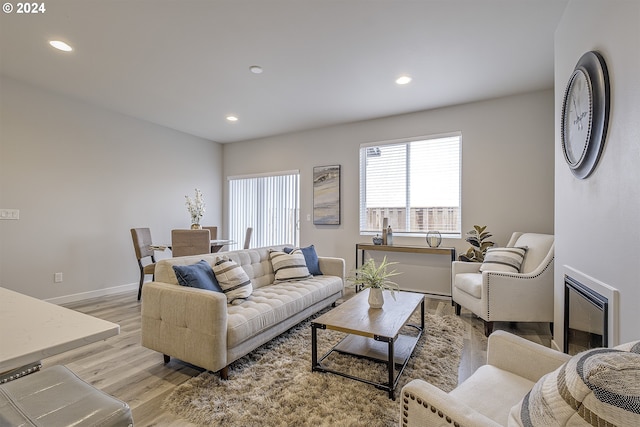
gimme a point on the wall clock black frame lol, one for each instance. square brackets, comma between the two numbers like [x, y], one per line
[585, 114]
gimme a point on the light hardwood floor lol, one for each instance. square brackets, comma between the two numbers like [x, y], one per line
[123, 368]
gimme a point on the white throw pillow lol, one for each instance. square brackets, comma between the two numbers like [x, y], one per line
[287, 267]
[504, 259]
[232, 279]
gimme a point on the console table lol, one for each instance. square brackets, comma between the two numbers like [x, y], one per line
[362, 248]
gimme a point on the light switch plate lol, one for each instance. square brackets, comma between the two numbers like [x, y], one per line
[9, 213]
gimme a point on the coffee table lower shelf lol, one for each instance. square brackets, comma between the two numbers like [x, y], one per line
[381, 349]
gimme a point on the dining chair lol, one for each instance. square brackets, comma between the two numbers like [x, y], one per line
[190, 242]
[247, 238]
[142, 245]
[213, 231]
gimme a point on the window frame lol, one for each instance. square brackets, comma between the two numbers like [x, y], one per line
[362, 209]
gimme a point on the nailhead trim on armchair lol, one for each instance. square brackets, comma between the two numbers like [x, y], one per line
[425, 405]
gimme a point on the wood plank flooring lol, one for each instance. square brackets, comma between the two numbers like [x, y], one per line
[123, 368]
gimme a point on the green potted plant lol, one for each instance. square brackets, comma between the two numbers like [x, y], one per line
[479, 245]
[376, 278]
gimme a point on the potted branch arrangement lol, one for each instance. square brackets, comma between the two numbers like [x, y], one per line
[376, 278]
[479, 245]
[196, 208]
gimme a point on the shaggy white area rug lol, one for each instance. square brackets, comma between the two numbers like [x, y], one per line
[274, 385]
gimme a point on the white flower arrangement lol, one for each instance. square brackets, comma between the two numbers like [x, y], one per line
[195, 207]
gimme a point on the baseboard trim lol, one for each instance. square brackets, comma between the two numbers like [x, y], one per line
[66, 299]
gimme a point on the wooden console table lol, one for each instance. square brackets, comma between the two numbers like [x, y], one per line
[361, 248]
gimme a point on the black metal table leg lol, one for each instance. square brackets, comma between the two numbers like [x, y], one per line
[314, 346]
[391, 365]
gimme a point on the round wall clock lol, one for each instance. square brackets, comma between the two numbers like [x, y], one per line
[585, 114]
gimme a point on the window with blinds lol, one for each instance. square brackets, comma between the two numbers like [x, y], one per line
[415, 183]
[270, 204]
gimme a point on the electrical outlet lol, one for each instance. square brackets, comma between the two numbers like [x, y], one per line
[57, 278]
[9, 213]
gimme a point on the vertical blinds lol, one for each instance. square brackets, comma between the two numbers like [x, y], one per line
[415, 183]
[270, 204]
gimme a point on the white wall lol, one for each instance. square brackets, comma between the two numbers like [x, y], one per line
[82, 177]
[597, 220]
[507, 183]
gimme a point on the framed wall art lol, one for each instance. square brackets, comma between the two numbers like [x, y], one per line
[326, 195]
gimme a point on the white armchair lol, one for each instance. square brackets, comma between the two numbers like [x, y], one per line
[514, 365]
[509, 297]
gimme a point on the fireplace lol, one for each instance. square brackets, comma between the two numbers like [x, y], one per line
[586, 317]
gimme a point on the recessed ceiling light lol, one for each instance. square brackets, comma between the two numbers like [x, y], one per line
[232, 118]
[60, 45]
[403, 80]
[255, 69]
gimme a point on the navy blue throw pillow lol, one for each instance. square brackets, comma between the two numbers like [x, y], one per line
[310, 258]
[198, 275]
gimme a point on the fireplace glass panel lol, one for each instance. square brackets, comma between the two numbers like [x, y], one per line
[585, 318]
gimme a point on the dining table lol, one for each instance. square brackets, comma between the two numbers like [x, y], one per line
[216, 245]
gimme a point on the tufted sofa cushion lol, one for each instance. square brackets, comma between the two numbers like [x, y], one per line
[599, 387]
[272, 304]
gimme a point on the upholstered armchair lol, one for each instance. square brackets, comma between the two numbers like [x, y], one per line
[526, 384]
[522, 295]
[514, 365]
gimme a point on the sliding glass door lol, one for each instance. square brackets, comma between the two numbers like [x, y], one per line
[269, 203]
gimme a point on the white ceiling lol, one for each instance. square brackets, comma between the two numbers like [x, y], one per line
[185, 64]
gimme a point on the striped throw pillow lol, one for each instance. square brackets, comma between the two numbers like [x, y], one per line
[232, 279]
[504, 259]
[598, 387]
[290, 266]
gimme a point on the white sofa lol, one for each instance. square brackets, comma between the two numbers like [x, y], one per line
[199, 327]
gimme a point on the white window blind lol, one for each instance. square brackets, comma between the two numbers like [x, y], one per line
[415, 183]
[270, 204]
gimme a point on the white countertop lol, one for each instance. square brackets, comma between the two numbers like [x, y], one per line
[32, 329]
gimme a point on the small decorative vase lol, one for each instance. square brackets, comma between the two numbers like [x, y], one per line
[434, 238]
[376, 298]
[196, 227]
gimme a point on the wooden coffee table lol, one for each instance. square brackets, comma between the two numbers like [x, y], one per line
[373, 333]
